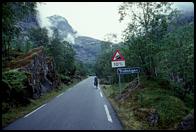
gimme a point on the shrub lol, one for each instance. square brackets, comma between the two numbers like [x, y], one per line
[163, 83]
[15, 84]
[65, 79]
[5, 107]
[189, 101]
[15, 79]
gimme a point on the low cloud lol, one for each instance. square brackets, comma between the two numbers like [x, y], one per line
[70, 38]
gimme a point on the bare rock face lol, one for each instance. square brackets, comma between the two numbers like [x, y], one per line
[187, 123]
[42, 76]
[153, 118]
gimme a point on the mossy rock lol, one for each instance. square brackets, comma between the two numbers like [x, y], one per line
[171, 109]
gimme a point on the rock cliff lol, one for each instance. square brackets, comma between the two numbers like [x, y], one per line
[40, 68]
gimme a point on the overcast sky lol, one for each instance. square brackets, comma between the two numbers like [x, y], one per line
[93, 19]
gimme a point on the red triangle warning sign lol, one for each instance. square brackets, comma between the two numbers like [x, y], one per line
[117, 56]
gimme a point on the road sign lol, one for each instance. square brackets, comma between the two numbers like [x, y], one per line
[130, 70]
[118, 60]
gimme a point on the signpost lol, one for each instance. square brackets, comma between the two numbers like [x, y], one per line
[131, 70]
[128, 70]
[118, 60]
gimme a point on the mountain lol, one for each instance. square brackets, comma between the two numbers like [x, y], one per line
[184, 17]
[66, 32]
[87, 49]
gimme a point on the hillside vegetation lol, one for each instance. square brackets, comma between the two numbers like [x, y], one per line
[162, 45]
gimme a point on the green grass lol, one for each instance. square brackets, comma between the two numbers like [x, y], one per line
[113, 90]
[20, 111]
[171, 109]
[189, 102]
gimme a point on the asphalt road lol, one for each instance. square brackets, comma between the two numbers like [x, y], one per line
[80, 108]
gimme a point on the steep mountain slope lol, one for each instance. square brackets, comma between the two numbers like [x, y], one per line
[86, 48]
[66, 32]
[29, 22]
[184, 17]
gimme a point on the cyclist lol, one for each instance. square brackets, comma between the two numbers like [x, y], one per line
[96, 82]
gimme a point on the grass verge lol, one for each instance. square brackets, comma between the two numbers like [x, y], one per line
[170, 108]
[20, 111]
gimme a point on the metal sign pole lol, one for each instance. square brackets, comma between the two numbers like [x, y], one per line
[119, 83]
[122, 71]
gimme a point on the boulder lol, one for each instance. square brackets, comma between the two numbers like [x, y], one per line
[153, 118]
[187, 123]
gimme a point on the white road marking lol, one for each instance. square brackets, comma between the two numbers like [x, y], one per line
[101, 94]
[108, 113]
[34, 111]
[59, 95]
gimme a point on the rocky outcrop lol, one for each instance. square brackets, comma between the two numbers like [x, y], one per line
[187, 123]
[27, 23]
[42, 76]
[132, 86]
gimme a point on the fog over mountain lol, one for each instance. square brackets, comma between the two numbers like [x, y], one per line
[87, 48]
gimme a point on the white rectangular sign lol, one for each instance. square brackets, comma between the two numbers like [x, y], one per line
[118, 64]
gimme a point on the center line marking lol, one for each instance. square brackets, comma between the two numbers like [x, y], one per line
[101, 94]
[34, 111]
[107, 113]
[59, 95]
